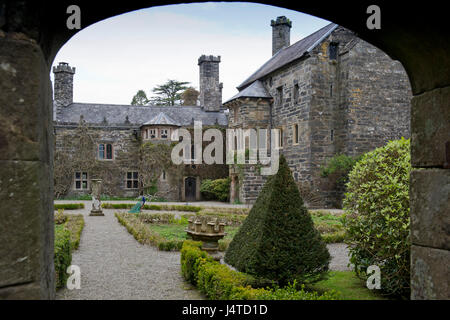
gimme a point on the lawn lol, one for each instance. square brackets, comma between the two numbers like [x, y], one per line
[349, 286]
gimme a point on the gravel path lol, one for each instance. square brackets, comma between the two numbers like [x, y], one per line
[115, 266]
[339, 256]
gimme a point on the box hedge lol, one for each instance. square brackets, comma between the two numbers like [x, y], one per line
[278, 240]
[217, 281]
[62, 255]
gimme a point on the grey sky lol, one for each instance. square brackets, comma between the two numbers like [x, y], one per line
[116, 57]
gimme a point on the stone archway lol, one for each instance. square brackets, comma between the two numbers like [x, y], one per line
[31, 32]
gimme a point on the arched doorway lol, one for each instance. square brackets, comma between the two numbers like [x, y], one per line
[30, 35]
[190, 188]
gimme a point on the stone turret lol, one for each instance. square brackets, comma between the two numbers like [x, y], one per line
[210, 87]
[63, 87]
[281, 33]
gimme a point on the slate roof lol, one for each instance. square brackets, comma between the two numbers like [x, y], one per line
[289, 54]
[255, 90]
[162, 119]
[137, 115]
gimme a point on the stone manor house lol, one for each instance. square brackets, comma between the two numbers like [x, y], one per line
[329, 93]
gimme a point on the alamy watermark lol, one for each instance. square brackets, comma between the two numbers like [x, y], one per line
[238, 141]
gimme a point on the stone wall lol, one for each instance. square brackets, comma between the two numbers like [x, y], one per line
[350, 104]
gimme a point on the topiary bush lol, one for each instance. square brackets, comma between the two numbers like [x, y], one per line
[278, 240]
[377, 215]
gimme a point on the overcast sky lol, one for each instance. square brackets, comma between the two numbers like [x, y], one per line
[115, 58]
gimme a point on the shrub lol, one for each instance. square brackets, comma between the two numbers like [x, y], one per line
[218, 189]
[278, 240]
[339, 166]
[60, 217]
[377, 215]
[62, 255]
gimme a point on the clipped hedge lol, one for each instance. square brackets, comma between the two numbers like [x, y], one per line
[377, 216]
[75, 224]
[155, 207]
[62, 255]
[68, 206]
[219, 282]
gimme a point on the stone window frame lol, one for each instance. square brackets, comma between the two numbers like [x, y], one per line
[80, 180]
[133, 179]
[295, 134]
[281, 138]
[105, 151]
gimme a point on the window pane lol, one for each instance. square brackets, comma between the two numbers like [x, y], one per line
[129, 184]
[84, 184]
[77, 184]
[135, 175]
[77, 175]
[129, 175]
[135, 184]
[84, 175]
[108, 151]
[101, 151]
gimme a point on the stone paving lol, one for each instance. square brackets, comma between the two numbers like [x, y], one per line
[115, 266]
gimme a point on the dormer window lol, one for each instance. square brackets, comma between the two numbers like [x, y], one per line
[152, 133]
[164, 133]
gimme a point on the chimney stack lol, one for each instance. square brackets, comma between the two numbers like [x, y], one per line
[281, 33]
[63, 87]
[210, 87]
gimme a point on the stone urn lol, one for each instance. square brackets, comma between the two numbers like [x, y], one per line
[209, 231]
[96, 185]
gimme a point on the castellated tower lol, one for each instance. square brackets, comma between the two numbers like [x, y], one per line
[281, 33]
[210, 87]
[63, 87]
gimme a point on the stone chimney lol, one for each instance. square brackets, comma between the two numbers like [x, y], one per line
[63, 87]
[210, 87]
[281, 33]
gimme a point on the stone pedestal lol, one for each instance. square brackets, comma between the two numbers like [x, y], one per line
[209, 232]
[96, 203]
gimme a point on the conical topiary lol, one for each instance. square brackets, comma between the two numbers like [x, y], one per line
[278, 240]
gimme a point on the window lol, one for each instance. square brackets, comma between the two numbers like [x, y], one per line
[152, 133]
[163, 176]
[105, 151]
[280, 95]
[296, 89]
[331, 90]
[332, 135]
[295, 134]
[81, 180]
[164, 133]
[280, 140]
[333, 50]
[132, 180]
[193, 152]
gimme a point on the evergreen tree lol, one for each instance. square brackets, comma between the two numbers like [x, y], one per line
[140, 99]
[278, 240]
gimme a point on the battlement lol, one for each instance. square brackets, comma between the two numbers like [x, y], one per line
[64, 67]
[282, 20]
[210, 58]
